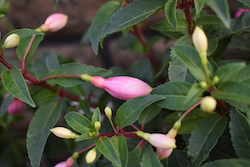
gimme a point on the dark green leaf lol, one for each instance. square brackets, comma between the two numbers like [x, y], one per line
[204, 138]
[239, 129]
[208, 20]
[199, 4]
[39, 129]
[149, 158]
[5, 104]
[221, 8]
[134, 157]
[78, 122]
[120, 144]
[194, 92]
[75, 69]
[14, 83]
[107, 148]
[245, 2]
[100, 21]
[175, 95]
[96, 115]
[240, 42]
[191, 59]
[170, 12]
[235, 91]
[149, 113]
[130, 111]
[212, 45]
[228, 163]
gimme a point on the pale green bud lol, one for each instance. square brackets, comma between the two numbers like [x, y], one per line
[108, 112]
[203, 84]
[91, 156]
[208, 104]
[97, 125]
[64, 133]
[11, 41]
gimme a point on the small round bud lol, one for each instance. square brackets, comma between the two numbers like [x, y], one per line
[108, 112]
[208, 104]
[203, 84]
[91, 156]
[11, 41]
[64, 133]
[75, 155]
[97, 125]
[216, 80]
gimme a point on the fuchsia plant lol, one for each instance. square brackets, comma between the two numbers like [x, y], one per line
[188, 105]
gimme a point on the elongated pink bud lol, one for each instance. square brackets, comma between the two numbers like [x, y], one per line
[239, 12]
[15, 107]
[163, 153]
[158, 140]
[121, 87]
[54, 22]
[69, 163]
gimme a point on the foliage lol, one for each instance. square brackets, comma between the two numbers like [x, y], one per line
[57, 94]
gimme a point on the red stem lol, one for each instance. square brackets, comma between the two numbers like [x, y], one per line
[61, 76]
[189, 110]
[26, 53]
[186, 7]
[5, 63]
[87, 148]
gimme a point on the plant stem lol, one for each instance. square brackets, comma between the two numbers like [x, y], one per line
[189, 110]
[186, 7]
[61, 76]
[87, 148]
[26, 53]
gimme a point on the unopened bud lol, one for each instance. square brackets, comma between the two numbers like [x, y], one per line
[15, 107]
[163, 153]
[216, 80]
[208, 104]
[91, 156]
[158, 140]
[108, 112]
[97, 125]
[203, 84]
[54, 23]
[11, 41]
[75, 156]
[64, 133]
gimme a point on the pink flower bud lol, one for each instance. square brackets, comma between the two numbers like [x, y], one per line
[54, 22]
[158, 140]
[69, 163]
[121, 87]
[15, 107]
[239, 12]
[163, 153]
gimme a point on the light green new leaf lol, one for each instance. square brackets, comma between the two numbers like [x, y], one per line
[149, 158]
[245, 2]
[204, 138]
[235, 91]
[45, 118]
[189, 56]
[99, 22]
[228, 163]
[130, 111]
[239, 130]
[175, 95]
[107, 148]
[198, 4]
[170, 12]
[78, 122]
[14, 83]
[221, 8]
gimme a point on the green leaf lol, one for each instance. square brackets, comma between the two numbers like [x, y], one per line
[170, 12]
[149, 113]
[204, 138]
[189, 123]
[194, 92]
[75, 69]
[120, 144]
[191, 59]
[149, 158]
[221, 8]
[228, 163]
[245, 2]
[5, 104]
[235, 91]
[14, 83]
[175, 95]
[78, 122]
[134, 157]
[39, 129]
[130, 111]
[199, 4]
[100, 21]
[107, 148]
[239, 130]
[96, 116]
[208, 20]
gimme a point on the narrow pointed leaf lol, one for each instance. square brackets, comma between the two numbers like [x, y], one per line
[45, 118]
[130, 111]
[120, 144]
[204, 138]
[245, 2]
[107, 148]
[221, 8]
[134, 157]
[14, 83]
[96, 115]
[228, 163]
[149, 158]
[239, 129]
[199, 4]
[170, 12]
